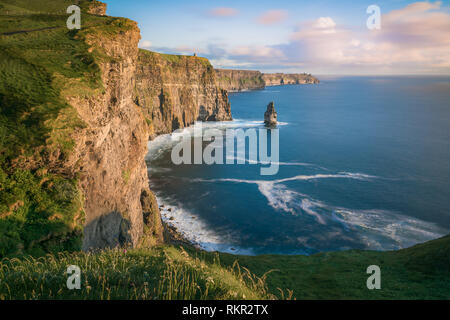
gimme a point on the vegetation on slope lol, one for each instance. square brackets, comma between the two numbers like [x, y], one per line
[419, 272]
[158, 273]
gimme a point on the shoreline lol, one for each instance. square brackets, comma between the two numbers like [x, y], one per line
[174, 237]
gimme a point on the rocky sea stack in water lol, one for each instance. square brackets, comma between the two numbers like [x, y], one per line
[270, 116]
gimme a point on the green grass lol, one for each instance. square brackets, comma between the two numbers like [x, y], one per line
[169, 272]
[172, 59]
[158, 273]
[39, 212]
[419, 272]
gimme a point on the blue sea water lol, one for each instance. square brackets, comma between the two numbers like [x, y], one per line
[364, 163]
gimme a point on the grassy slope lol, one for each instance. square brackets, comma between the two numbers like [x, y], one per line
[420, 272]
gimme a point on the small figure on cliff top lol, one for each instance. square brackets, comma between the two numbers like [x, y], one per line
[270, 116]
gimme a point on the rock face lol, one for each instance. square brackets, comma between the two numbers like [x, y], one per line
[175, 91]
[241, 80]
[270, 116]
[94, 7]
[109, 152]
[276, 79]
[72, 150]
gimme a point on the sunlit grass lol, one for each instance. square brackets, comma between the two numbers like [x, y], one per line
[166, 273]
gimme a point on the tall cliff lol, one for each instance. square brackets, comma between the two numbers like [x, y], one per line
[72, 140]
[240, 80]
[175, 91]
[109, 153]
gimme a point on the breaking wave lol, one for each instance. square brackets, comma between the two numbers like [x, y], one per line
[377, 229]
[196, 231]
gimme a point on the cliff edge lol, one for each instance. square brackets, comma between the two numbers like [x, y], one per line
[175, 91]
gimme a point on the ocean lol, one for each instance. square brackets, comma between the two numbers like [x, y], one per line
[364, 163]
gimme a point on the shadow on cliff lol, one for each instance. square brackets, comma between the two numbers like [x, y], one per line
[107, 231]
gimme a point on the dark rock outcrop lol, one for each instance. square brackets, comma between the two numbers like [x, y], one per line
[270, 116]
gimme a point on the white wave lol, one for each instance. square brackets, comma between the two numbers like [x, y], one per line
[250, 161]
[377, 227]
[345, 175]
[196, 231]
[281, 198]
[164, 142]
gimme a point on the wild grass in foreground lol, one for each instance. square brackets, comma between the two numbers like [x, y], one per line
[169, 272]
[159, 273]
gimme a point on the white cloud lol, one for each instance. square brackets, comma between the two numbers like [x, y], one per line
[324, 23]
[145, 44]
[415, 38]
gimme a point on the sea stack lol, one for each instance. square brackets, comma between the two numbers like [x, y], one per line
[270, 116]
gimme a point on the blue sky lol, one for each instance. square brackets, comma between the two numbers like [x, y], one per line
[322, 37]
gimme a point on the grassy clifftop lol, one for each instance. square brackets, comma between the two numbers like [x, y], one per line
[168, 272]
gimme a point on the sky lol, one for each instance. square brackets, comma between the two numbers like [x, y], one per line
[319, 37]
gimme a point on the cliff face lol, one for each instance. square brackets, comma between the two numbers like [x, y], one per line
[276, 79]
[72, 149]
[110, 151]
[239, 80]
[175, 91]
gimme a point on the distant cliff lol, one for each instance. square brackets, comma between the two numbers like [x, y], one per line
[175, 91]
[276, 79]
[241, 80]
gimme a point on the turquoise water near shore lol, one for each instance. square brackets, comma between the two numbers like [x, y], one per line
[364, 164]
